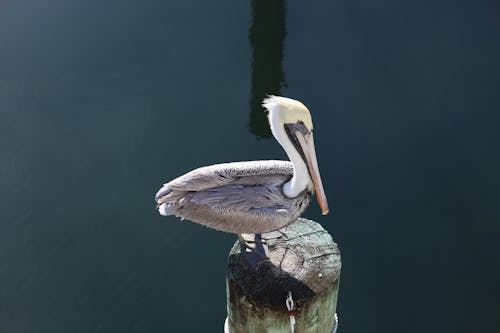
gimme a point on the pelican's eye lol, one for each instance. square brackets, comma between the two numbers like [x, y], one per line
[301, 127]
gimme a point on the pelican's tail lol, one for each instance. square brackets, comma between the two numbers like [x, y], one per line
[164, 207]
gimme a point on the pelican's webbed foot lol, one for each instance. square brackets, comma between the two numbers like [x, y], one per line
[254, 248]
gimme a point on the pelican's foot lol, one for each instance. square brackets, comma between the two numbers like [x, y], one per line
[254, 248]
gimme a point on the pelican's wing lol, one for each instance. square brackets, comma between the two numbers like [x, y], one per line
[236, 173]
[228, 173]
[242, 198]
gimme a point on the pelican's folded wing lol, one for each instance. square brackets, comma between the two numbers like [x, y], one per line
[242, 173]
[223, 185]
[241, 198]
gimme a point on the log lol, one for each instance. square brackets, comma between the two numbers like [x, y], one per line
[303, 260]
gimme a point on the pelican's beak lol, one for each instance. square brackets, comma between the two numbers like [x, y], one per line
[306, 142]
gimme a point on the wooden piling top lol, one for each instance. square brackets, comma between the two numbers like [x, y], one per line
[303, 259]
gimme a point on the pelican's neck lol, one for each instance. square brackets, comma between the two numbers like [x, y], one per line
[300, 180]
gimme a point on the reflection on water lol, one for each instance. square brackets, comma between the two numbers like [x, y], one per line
[267, 37]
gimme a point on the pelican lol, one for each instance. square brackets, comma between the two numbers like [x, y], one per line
[256, 196]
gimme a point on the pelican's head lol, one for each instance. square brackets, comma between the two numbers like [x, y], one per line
[291, 124]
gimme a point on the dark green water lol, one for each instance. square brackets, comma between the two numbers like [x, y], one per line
[102, 101]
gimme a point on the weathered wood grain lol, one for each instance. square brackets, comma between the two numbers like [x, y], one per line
[303, 259]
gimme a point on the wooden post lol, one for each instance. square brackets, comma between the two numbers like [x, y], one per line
[303, 260]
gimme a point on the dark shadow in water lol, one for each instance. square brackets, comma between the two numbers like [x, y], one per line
[267, 37]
